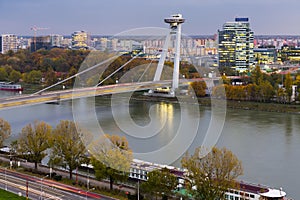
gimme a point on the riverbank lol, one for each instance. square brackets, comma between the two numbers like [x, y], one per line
[244, 105]
[258, 106]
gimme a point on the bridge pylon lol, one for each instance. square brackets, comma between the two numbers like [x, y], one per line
[175, 22]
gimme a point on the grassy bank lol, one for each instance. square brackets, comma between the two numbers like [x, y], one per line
[4, 195]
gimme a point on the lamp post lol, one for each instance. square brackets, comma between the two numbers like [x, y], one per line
[88, 179]
[41, 195]
[26, 189]
[138, 190]
[5, 179]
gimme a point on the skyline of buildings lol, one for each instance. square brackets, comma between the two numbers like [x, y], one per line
[235, 46]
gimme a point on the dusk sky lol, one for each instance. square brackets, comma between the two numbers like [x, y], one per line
[109, 17]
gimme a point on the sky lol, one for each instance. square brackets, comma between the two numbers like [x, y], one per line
[110, 17]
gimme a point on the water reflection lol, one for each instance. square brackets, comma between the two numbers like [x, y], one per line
[288, 126]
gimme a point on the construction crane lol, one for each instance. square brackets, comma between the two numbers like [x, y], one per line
[35, 29]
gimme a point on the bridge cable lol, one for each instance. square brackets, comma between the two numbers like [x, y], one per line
[129, 61]
[146, 69]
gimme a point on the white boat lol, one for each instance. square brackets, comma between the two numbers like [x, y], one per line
[247, 191]
[10, 87]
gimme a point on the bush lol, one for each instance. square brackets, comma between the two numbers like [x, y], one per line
[57, 177]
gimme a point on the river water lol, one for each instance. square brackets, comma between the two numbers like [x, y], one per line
[268, 144]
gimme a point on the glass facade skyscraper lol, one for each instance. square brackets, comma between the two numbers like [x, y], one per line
[236, 45]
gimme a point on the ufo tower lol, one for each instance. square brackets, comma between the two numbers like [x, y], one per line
[175, 22]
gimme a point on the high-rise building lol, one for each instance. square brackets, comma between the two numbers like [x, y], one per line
[80, 39]
[236, 45]
[40, 42]
[8, 42]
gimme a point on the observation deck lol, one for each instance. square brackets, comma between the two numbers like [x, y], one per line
[175, 20]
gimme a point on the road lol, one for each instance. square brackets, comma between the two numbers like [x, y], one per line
[42, 188]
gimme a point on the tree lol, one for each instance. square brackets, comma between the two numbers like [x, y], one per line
[252, 91]
[33, 77]
[266, 91]
[209, 177]
[111, 158]
[160, 182]
[72, 72]
[288, 82]
[297, 81]
[68, 150]
[5, 131]
[281, 95]
[3, 74]
[225, 80]
[199, 87]
[34, 140]
[256, 75]
[50, 77]
[14, 76]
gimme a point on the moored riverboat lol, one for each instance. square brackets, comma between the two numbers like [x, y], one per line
[8, 86]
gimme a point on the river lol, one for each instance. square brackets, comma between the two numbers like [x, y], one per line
[266, 143]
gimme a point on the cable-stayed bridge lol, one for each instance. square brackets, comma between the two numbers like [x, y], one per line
[43, 96]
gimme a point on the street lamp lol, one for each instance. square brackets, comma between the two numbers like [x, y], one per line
[138, 190]
[87, 192]
[41, 195]
[5, 178]
[88, 179]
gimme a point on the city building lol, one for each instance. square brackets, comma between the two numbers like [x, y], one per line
[8, 42]
[23, 43]
[290, 54]
[40, 42]
[66, 43]
[265, 56]
[235, 45]
[81, 39]
[56, 40]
